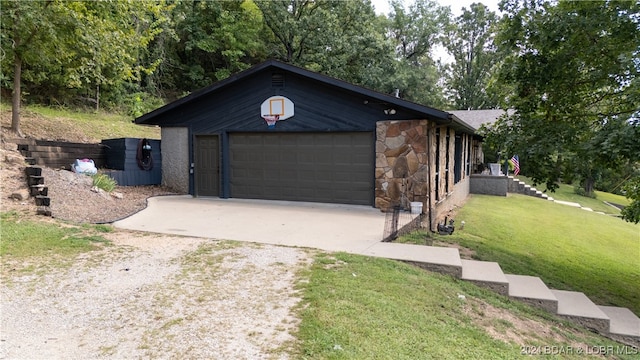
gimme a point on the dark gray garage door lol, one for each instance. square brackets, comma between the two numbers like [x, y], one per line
[318, 167]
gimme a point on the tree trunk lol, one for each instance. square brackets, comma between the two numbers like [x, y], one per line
[588, 186]
[15, 100]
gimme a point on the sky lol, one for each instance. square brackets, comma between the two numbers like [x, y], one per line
[382, 7]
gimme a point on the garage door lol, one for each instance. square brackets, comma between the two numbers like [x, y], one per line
[317, 167]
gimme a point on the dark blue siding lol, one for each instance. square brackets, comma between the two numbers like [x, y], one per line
[318, 107]
[122, 163]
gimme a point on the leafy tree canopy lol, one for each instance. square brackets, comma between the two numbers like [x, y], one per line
[573, 67]
[469, 39]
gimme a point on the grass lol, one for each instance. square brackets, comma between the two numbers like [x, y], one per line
[357, 307]
[565, 192]
[568, 248]
[77, 126]
[22, 239]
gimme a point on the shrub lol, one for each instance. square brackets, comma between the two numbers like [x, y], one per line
[582, 192]
[104, 182]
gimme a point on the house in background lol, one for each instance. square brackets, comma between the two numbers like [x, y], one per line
[325, 141]
[477, 118]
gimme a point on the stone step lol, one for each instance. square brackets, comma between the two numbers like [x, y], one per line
[44, 210]
[35, 180]
[577, 307]
[486, 274]
[33, 170]
[624, 325]
[533, 291]
[36, 190]
[438, 259]
[43, 201]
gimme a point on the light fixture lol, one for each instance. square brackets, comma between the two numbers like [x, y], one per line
[390, 111]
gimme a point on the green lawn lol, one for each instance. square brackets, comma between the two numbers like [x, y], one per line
[566, 192]
[569, 248]
[23, 239]
[356, 307]
[76, 126]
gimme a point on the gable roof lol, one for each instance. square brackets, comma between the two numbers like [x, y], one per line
[477, 118]
[440, 116]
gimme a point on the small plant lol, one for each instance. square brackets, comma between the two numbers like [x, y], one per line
[104, 182]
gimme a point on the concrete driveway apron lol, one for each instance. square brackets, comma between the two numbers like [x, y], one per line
[331, 227]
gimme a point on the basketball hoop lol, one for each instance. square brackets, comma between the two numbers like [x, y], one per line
[271, 120]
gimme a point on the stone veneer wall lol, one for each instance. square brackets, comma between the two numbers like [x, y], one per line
[175, 158]
[402, 172]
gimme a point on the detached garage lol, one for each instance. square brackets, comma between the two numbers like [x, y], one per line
[280, 132]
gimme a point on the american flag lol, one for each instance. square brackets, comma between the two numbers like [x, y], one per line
[516, 165]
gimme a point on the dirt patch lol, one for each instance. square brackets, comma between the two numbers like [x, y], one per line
[156, 297]
[502, 324]
[73, 197]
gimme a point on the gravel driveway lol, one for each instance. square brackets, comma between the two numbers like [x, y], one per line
[151, 296]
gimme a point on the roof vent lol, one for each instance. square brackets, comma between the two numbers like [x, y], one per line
[277, 80]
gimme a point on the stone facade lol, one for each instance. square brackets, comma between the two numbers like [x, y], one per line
[417, 160]
[402, 173]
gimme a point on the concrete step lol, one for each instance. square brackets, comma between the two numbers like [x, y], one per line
[577, 307]
[533, 291]
[486, 274]
[568, 203]
[624, 325]
[438, 259]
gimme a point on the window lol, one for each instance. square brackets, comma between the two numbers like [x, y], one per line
[457, 165]
[437, 172]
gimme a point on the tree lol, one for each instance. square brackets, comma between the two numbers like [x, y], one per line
[297, 25]
[343, 39]
[74, 48]
[26, 36]
[470, 41]
[573, 69]
[414, 33]
[213, 39]
[631, 213]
